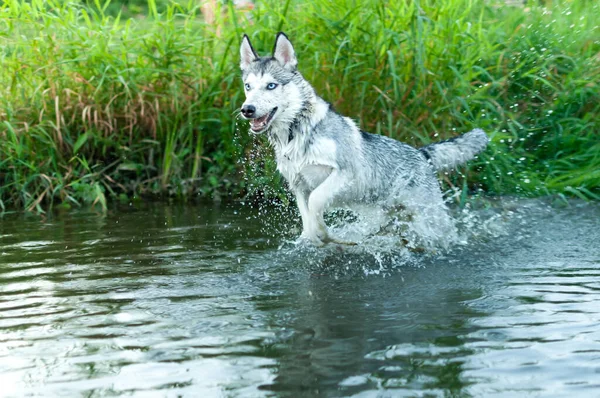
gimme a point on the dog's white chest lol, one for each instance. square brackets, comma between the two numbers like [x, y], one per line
[310, 161]
[311, 174]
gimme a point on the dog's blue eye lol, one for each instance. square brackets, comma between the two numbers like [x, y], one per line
[271, 86]
[247, 86]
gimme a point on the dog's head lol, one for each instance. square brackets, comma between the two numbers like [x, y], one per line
[267, 83]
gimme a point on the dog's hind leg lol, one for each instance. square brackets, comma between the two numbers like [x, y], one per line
[431, 223]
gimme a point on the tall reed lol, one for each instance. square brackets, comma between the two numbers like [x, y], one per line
[95, 106]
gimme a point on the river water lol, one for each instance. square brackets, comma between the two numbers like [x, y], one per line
[214, 300]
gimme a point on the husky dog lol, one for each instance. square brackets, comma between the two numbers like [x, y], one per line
[328, 161]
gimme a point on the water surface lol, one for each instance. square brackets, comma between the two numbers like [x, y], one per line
[210, 300]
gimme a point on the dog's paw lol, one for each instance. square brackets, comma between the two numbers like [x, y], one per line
[317, 238]
[320, 241]
[310, 240]
[342, 242]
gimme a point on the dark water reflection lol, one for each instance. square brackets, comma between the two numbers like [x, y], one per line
[202, 301]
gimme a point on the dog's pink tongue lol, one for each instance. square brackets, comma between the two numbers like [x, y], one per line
[258, 123]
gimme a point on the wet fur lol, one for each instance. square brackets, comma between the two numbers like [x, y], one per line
[328, 161]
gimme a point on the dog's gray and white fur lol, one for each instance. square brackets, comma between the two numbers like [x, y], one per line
[328, 161]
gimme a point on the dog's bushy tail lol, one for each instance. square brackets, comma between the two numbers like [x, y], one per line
[456, 151]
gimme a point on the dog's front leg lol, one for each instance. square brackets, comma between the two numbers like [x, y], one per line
[302, 201]
[312, 230]
[318, 201]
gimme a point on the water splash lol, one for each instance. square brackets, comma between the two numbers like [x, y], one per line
[388, 239]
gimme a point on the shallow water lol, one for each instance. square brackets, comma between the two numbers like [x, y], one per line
[213, 301]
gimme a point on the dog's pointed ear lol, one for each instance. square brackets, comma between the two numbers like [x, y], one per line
[247, 53]
[284, 53]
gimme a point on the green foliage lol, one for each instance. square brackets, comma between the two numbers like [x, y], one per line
[129, 8]
[96, 105]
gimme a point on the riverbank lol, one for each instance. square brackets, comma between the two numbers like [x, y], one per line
[96, 108]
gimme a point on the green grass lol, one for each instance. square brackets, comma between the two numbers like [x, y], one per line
[94, 106]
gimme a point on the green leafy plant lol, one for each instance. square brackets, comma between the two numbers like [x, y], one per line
[99, 103]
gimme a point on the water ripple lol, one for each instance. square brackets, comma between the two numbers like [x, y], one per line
[202, 301]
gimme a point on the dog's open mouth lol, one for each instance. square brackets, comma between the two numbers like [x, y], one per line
[260, 123]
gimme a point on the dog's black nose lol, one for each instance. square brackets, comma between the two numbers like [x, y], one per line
[248, 110]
